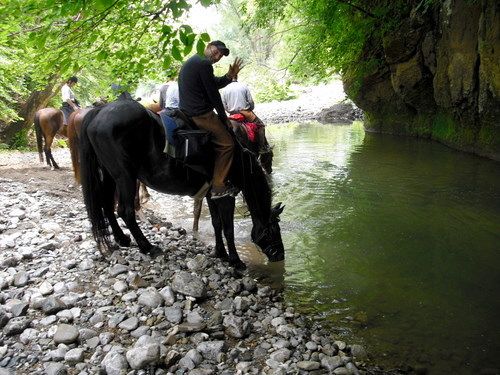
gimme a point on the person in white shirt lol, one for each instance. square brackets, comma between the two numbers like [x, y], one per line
[70, 104]
[236, 98]
[172, 96]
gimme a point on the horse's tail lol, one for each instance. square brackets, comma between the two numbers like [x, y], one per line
[39, 140]
[92, 184]
[74, 150]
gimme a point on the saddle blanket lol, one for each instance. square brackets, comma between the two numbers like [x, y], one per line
[251, 128]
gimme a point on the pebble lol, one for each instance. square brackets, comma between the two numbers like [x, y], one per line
[67, 308]
[66, 334]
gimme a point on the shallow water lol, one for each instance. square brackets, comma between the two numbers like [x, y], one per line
[393, 241]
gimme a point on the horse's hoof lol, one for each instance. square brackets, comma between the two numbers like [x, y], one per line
[221, 254]
[155, 252]
[124, 241]
[238, 264]
[113, 247]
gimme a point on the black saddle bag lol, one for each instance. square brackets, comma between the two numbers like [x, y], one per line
[192, 146]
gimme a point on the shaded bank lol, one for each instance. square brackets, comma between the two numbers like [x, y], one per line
[437, 76]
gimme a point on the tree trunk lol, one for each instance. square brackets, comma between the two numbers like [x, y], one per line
[26, 110]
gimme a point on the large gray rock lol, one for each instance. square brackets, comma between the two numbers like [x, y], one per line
[211, 349]
[55, 369]
[66, 334]
[151, 298]
[16, 325]
[145, 352]
[308, 365]
[190, 285]
[168, 295]
[331, 363]
[21, 279]
[236, 326]
[114, 363]
[129, 324]
[3, 318]
[281, 355]
[74, 356]
[173, 314]
[52, 305]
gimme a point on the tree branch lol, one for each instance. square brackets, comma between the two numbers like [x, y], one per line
[346, 2]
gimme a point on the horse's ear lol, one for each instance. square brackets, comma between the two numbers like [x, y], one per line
[278, 209]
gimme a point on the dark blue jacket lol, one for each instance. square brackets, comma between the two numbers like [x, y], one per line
[199, 88]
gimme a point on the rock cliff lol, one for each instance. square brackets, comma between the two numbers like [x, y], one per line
[438, 77]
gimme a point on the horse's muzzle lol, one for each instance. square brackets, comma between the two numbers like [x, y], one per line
[275, 252]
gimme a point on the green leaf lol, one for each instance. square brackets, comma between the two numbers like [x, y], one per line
[206, 3]
[176, 53]
[167, 61]
[187, 29]
[166, 30]
[103, 4]
[205, 37]
[102, 55]
[187, 49]
[200, 47]
[183, 37]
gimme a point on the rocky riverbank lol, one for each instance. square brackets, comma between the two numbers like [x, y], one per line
[325, 103]
[66, 308]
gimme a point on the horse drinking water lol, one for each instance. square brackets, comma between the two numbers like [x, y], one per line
[122, 142]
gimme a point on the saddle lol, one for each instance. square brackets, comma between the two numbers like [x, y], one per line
[185, 141]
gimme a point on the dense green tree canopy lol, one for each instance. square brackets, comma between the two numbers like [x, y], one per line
[326, 37]
[46, 41]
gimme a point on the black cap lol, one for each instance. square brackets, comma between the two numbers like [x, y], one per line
[220, 46]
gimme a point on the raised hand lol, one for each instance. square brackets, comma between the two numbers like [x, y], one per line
[235, 68]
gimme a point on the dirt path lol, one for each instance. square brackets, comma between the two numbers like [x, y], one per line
[25, 167]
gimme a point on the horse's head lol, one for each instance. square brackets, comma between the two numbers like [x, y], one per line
[268, 236]
[266, 160]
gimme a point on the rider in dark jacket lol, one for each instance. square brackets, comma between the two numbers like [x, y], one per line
[199, 96]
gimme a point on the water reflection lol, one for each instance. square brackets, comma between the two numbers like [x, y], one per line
[406, 231]
[393, 240]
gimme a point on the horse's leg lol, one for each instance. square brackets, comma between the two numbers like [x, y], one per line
[54, 164]
[137, 200]
[109, 210]
[46, 149]
[126, 210]
[197, 205]
[48, 152]
[144, 195]
[226, 210]
[220, 250]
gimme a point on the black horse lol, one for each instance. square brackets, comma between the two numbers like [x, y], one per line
[123, 142]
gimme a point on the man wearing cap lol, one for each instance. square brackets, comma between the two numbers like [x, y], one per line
[199, 96]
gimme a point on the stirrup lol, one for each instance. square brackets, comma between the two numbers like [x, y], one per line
[227, 192]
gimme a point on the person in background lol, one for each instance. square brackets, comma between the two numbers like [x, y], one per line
[171, 99]
[236, 98]
[164, 89]
[70, 104]
[199, 96]
[163, 93]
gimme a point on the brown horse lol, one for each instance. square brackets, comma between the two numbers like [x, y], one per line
[74, 125]
[48, 122]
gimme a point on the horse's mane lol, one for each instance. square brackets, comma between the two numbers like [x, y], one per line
[248, 175]
[125, 96]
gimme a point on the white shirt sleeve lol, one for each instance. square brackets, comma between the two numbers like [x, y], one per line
[65, 93]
